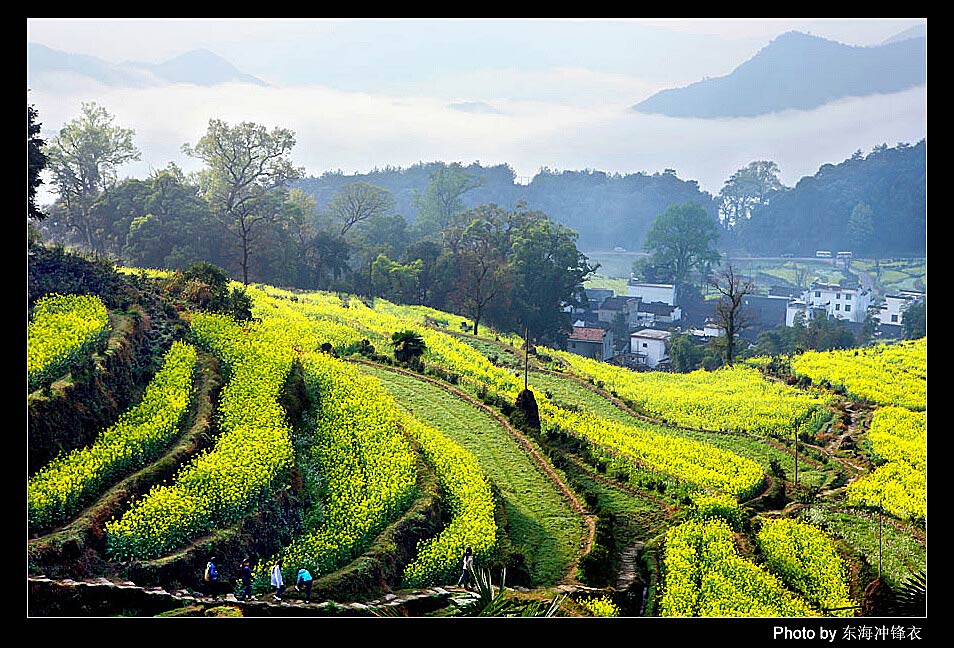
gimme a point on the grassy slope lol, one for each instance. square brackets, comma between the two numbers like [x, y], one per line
[542, 526]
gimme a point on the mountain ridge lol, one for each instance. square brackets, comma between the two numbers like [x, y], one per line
[797, 71]
[198, 67]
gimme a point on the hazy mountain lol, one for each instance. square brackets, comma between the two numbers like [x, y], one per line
[198, 67]
[202, 67]
[797, 71]
[913, 32]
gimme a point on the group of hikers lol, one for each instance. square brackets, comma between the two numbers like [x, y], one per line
[213, 586]
[304, 580]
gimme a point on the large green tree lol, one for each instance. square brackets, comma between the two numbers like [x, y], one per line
[914, 322]
[747, 189]
[681, 240]
[547, 269]
[84, 159]
[441, 198]
[246, 165]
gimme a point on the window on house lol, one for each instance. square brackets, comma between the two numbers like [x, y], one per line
[837, 307]
[837, 295]
[848, 297]
[894, 318]
[645, 345]
[847, 308]
[818, 293]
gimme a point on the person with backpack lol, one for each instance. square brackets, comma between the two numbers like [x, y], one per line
[277, 581]
[211, 578]
[466, 577]
[304, 580]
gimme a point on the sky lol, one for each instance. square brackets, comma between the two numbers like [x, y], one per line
[369, 93]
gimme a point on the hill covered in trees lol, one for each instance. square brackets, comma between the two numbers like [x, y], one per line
[874, 205]
[606, 209]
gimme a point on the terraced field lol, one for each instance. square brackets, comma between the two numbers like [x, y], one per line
[302, 437]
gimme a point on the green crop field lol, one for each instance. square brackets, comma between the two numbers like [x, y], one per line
[376, 473]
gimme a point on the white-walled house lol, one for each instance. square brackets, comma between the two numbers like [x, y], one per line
[710, 329]
[650, 314]
[850, 304]
[650, 346]
[892, 311]
[650, 292]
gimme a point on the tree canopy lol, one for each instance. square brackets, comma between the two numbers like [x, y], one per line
[245, 165]
[682, 240]
[36, 162]
[84, 159]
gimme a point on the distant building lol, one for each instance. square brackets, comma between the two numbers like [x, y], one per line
[710, 329]
[657, 313]
[650, 292]
[596, 296]
[799, 306]
[849, 304]
[612, 306]
[591, 342]
[650, 347]
[892, 311]
[765, 312]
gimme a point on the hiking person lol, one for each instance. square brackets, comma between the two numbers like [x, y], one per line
[211, 578]
[304, 580]
[465, 575]
[246, 579]
[277, 581]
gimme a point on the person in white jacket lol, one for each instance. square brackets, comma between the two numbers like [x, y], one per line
[277, 581]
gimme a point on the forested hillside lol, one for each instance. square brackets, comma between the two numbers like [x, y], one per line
[874, 205]
[606, 209]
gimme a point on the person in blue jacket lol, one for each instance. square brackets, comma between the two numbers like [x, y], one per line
[211, 578]
[304, 580]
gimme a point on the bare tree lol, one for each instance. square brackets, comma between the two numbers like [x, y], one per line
[729, 311]
[801, 276]
[357, 202]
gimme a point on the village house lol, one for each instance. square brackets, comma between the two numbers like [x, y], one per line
[657, 313]
[650, 347]
[592, 342]
[650, 292]
[892, 311]
[849, 304]
[613, 306]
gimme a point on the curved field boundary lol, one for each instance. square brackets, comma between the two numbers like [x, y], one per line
[668, 507]
[623, 407]
[578, 507]
[86, 529]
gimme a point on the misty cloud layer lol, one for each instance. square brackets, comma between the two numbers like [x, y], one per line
[356, 132]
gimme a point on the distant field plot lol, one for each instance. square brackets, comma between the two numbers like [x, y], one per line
[883, 374]
[618, 286]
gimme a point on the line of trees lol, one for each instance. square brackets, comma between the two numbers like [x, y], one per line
[508, 267]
